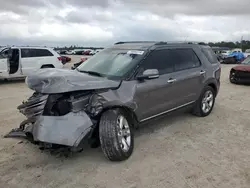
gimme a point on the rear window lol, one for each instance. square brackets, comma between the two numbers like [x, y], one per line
[210, 55]
[35, 53]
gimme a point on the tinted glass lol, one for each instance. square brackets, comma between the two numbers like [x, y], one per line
[159, 59]
[27, 53]
[35, 53]
[43, 52]
[170, 60]
[184, 59]
[210, 55]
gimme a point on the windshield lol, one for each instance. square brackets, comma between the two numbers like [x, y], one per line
[246, 61]
[112, 63]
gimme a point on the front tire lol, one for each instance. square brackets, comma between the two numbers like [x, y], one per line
[232, 77]
[116, 136]
[204, 105]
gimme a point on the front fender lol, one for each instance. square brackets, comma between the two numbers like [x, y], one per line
[66, 130]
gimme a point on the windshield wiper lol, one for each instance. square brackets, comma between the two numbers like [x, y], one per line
[92, 73]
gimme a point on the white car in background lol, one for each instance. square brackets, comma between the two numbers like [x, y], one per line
[247, 52]
[16, 62]
[70, 52]
[93, 52]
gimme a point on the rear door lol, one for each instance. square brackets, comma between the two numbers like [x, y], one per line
[34, 59]
[28, 60]
[188, 76]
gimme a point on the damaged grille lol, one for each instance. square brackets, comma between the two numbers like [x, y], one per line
[34, 106]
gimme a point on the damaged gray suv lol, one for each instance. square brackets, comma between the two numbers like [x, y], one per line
[110, 94]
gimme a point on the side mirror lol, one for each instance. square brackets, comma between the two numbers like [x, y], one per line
[149, 74]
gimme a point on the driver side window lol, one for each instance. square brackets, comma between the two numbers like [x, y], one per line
[160, 60]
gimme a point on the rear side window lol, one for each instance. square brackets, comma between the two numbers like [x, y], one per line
[35, 53]
[210, 55]
[43, 52]
[184, 59]
[170, 60]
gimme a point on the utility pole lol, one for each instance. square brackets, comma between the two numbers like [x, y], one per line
[241, 43]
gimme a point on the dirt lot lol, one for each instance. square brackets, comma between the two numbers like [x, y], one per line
[176, 152]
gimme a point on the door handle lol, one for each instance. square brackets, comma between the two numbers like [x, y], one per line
[171, 80]
[202, 72]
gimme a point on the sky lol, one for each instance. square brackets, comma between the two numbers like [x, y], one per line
[104, 22]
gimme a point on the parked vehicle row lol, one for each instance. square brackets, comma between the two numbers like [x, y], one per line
[75, 65]
[115, 91]
[79, 52]
[18, 62]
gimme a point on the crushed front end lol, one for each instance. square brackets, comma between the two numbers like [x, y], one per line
[55, 119]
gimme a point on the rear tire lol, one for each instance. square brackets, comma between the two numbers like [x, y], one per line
[116, 135]
[204, 105]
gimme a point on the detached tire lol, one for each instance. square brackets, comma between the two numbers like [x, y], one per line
[204, 105]
[116, 136]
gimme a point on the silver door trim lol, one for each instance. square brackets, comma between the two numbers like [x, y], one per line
[202, 72]
[171, 81]
[151, 117]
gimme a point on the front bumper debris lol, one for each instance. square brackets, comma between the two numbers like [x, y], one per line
[67, 130]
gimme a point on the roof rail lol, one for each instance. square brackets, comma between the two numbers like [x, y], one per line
[162, 42]
[125, 42]
[184, 42]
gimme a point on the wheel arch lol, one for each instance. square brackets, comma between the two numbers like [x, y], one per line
[126, 109]
[212, 83]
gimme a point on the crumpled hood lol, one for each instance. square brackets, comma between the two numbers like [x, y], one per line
[64, 80]
[242, 68]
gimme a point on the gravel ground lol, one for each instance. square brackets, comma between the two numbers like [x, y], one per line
[180, 151]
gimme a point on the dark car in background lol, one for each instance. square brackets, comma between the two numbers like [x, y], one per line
[65, 59]
[240, 74]
[116, 90]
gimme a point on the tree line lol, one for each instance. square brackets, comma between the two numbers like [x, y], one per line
[245, 44]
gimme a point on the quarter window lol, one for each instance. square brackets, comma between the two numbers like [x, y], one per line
[210, 55]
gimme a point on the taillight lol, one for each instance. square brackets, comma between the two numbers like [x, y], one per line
[59, 58]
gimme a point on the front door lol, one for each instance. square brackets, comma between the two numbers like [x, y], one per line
[3, 67]
[154, 96]
[4, 64]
